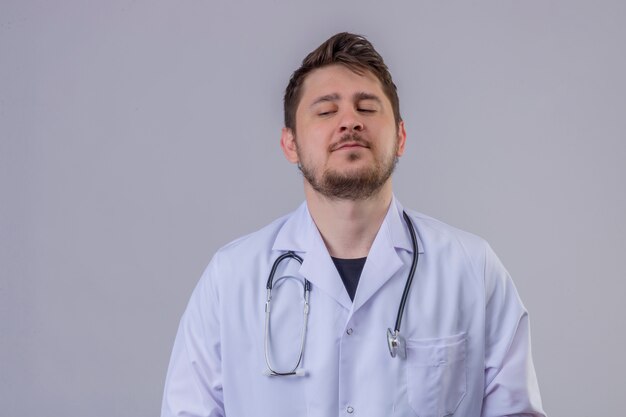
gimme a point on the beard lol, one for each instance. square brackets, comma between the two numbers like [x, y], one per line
[356, 184]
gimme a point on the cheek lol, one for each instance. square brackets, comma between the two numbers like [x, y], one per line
[314, 142]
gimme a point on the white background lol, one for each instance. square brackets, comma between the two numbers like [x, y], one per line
[137, 137]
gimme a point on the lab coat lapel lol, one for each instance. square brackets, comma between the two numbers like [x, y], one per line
[383, 260]
[318, 267]
[300, 234]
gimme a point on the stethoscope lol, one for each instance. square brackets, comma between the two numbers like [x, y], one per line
[395, 341]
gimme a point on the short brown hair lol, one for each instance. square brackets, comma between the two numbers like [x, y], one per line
[353, 51]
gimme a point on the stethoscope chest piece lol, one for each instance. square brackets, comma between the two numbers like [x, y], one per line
[396, 343]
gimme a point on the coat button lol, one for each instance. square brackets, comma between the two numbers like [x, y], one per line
[350, 410]
[349, 331]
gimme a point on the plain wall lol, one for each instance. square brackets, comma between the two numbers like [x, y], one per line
[137, 137]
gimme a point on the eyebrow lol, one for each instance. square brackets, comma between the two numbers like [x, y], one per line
[327, 97]
[366, 96]
[357, 97]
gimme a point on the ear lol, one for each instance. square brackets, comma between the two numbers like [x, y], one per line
[401, 138]
[288, 145]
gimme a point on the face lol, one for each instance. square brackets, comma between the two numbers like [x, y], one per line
[346, 141]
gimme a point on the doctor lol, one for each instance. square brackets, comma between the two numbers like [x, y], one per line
[337, 349]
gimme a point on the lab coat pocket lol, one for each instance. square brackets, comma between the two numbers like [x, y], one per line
[436, 375]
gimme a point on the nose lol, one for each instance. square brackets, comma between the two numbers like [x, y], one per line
[350, 122]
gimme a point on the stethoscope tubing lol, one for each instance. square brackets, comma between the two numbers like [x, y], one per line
[409, 281]
[307, 289]
[394, 339]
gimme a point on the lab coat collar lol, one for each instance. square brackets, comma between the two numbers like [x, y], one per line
[300, 234]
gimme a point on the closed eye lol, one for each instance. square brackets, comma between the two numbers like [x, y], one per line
[366, 110]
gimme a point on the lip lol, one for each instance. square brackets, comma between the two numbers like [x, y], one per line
[350, 145]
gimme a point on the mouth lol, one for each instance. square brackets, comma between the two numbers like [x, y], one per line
[350, 142]
[350, 145]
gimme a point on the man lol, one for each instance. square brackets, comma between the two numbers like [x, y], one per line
[460, 343]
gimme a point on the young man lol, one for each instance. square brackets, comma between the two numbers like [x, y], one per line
[351, 305]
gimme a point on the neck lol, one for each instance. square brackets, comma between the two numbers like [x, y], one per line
[348, 227]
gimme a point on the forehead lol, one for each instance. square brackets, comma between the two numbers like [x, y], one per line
[340, 80]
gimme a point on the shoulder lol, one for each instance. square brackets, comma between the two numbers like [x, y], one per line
[256, 247]
[437, 232]
[450, 244]
[442, 239]
[291, 232]
[237, 260]
[257, 240]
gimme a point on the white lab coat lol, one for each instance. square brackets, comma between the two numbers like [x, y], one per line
[468, 342]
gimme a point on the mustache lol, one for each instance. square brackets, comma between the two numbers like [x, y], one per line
[350, 138]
